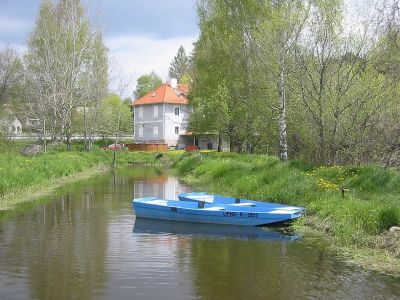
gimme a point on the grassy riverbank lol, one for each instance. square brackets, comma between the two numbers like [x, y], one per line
[360, 220]
[23, 179]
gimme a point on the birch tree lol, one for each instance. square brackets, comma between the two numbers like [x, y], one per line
[274, 39]
[66, 58]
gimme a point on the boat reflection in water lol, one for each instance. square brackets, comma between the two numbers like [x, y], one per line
[151, 226]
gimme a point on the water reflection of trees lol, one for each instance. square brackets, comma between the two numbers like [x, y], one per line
[61, 247]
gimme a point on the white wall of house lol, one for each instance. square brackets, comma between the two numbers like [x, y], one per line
[160, 123]
[149, 124]
[176, 122]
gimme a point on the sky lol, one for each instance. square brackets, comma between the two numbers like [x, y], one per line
[141, 35]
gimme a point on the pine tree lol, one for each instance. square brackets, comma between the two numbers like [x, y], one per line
[179, 65]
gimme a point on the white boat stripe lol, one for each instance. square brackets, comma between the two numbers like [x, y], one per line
[158, 202]
[214, 208]
[243, 204]
[280, 211]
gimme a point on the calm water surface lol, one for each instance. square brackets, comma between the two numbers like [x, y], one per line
[84, 243]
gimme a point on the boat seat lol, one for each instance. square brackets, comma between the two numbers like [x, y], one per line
[214, 208]
[204, 198]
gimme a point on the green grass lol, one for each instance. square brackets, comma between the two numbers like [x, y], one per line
[20, 175]
[371, 204]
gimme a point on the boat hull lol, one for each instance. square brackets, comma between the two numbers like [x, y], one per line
[228, 215]
[152, 226]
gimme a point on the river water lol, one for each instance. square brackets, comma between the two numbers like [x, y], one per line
[83, 242]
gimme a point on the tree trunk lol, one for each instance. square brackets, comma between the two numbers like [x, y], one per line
[283, 155]
[85, 134]
[219, 142]
[68, 142]
[54, 121]
[44, 136]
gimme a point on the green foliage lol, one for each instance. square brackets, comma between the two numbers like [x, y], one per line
[293, 62]
[146, 83]
[115, 116]
[211, 115]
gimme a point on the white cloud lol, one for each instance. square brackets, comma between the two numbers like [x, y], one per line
[138, 54]
[11, 26]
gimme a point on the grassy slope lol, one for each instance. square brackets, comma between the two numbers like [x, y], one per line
[21, 177]
[360, 219]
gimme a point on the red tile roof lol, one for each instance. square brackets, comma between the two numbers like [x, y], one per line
[165, 94]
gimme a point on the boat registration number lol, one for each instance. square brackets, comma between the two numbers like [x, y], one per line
[240, 214]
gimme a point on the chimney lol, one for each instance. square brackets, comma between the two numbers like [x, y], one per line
[174, 83]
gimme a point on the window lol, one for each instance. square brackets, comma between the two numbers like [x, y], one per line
[155, 131]
[141, 112]
[176, 111]
[140, 131]
[155, 111]
[176, 129]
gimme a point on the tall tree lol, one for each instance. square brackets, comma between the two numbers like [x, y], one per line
[179, 67]
[66, 63]
[274, 38]
[146, 83]
[222, 58]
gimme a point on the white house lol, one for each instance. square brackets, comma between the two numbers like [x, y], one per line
[162, 116]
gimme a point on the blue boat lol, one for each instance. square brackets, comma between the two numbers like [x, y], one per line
[203, 212]
[223, 200]
[162, 227]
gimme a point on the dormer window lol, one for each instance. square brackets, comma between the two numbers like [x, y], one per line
[176, 111]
